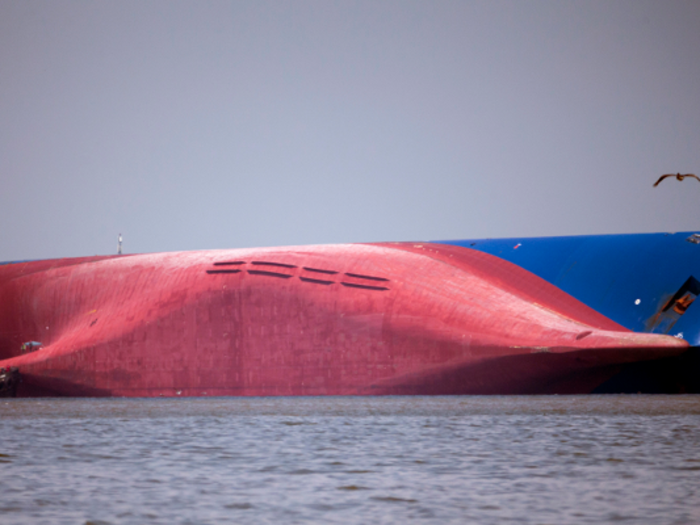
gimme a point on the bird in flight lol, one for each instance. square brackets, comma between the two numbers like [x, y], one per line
[677, 175]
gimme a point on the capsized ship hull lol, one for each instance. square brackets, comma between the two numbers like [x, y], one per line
[392, 318]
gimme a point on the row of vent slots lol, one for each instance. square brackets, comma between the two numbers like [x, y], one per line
[305, 279]
[308, 269]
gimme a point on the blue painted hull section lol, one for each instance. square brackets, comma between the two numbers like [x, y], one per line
[628, 278]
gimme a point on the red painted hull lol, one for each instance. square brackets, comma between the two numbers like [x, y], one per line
[314, 320]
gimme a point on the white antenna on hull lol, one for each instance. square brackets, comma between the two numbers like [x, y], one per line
[119, 249]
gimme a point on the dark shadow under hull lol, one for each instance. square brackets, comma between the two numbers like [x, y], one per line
[672, 375]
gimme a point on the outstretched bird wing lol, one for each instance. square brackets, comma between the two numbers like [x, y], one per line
[663, 177]
[692, 175]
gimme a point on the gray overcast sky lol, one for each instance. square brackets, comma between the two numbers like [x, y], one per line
[192, 125]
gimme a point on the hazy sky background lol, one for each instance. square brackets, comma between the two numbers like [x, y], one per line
[192, 125]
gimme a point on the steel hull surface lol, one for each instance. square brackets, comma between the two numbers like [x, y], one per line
[355, 319]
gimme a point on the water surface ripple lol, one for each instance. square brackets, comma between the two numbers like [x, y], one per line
[511, 459]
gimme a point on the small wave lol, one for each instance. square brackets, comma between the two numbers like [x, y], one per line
[239, 506]
[394, 499]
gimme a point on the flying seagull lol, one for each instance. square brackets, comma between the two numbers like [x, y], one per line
[677, 175]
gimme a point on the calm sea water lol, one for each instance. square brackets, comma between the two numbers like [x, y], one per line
[558, 459]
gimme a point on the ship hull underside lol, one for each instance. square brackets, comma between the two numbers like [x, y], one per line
[383, 319]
